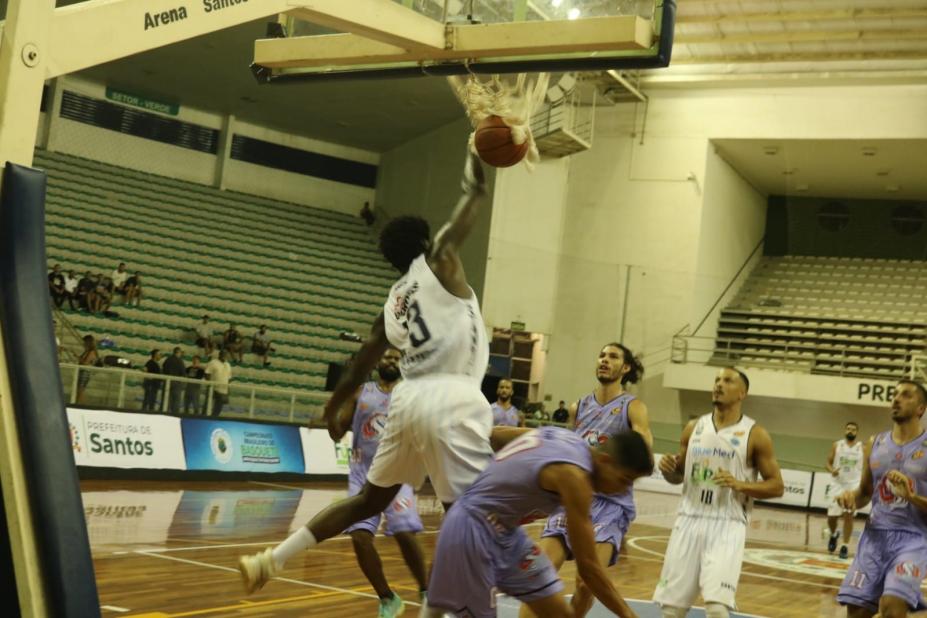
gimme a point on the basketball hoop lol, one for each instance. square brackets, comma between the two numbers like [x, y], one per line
[513, 103]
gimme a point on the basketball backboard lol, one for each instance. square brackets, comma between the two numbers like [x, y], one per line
[383, 38]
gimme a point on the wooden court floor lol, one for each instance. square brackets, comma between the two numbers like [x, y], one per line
[169, 550]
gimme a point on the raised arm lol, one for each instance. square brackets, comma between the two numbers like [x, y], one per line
[673, 466]
[764, 460]
[355, 375]
[444, 259]
[575, 489]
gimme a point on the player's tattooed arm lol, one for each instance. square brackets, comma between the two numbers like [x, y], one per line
[860, 497]
[673, 466]
[764, 460]
[575, 489]
[356, 374]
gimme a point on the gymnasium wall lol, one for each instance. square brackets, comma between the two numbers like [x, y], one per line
[422, 177]
[85, 140]
[668, 221]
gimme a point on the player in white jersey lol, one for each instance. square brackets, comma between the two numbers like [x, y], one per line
[439, 422]
[845, 463]
[717, 463]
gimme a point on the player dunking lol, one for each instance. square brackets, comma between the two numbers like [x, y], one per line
[845, 463]
[607, 412]
[482, 546]
[439, 422]
[366, 416]
[891, 559]
[717, 463]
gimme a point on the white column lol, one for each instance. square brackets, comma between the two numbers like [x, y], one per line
[224, 151]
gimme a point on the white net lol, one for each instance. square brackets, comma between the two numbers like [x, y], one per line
[513, 103]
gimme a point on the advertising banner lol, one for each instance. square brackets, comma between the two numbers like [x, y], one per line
[321, 455]
[116, 519]
[656, 482]
[241, 447]
[125, 440]
[797, 489]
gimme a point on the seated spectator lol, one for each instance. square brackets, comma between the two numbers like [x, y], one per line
[134, 289]
[367, 214]
[119, 277]
[102, 296]
[219, 371]
[70, 289]
[260, 344]
[561, 414]
[191, 396]
[204, 335]
[174, 366]
[152, 386]
[56, 285]
[88, 357]
[233, 343]
[84, 286]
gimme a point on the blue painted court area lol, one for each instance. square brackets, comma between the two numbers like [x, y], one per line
[508, 608]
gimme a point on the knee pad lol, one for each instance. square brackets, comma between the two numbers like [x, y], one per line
[674, 612]
[716, 610]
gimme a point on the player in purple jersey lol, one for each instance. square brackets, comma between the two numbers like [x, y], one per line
[608, 411]
[891, 559]
[482, 547]
[365, 416]
[503, 412]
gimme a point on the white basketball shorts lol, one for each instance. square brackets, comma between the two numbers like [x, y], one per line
[437, 426]
[834, 489]
[704, 555]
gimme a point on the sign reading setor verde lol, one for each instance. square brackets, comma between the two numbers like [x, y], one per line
[135, 100]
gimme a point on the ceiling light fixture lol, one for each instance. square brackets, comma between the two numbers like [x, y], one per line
[869, 151]
[770, 150]
[573, 13]
[556, 3]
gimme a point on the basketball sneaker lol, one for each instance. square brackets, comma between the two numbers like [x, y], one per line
[391, 607]
[832, 543]
[844, 552]
[257, 569]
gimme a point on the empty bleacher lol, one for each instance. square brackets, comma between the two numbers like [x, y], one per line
[308, 274]
[834, 316]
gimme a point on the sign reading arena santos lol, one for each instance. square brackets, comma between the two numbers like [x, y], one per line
[101, 438]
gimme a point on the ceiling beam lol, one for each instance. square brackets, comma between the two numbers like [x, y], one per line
[824, 56]
[808, 16]
[530, 38]
[381, 20]
[801, 36]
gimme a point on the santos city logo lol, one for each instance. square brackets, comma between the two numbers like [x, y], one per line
[221, 443]
[75, 438]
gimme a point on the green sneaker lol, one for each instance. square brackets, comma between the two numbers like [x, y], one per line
[391, 608]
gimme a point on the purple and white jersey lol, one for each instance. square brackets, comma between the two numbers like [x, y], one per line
[507, 492]
[596, 423]
[369, 422]
[890, 512]
[501, 416]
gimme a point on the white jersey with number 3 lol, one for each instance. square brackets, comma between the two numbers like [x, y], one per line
[437, 332]
[711, 450]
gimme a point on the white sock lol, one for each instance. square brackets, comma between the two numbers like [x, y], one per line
[430, 612]
[674, 612]
[301, 540]
[716, 610]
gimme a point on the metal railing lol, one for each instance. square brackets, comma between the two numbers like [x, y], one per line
[125, 389]
[804, 357]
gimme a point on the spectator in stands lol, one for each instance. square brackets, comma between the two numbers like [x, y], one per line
[102, 294]
[119, 277]
[260, 344]
[561, 414]
[219, 371]
[174, 366]
[70, 288]
[134, 289]
[233, 343]
[152, 385]
[84, 287]
[56, 285]
[191, 398]
[367, 214]
[89, 357]
[204, 335]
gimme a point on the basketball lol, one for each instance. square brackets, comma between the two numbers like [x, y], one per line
[493, 140]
